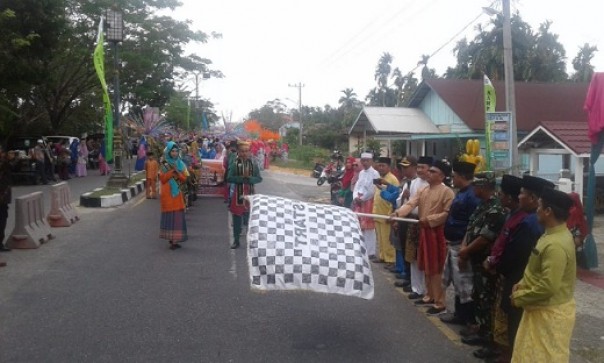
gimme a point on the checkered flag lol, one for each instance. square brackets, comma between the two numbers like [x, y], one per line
[297, 245]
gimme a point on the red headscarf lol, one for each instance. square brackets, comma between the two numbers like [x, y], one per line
[576, 218]
[348, 173]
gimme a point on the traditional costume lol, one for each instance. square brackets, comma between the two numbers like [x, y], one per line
[382, 226]
[243, 174]
[434, 203]
[364, 190]
[172, 174]
[151, 172]
[546, 293]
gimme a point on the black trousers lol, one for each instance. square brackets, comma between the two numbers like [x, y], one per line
[3, 218]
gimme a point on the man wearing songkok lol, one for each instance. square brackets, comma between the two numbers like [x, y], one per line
[434, 202]
[243, 174]
[546, 289]
[463, 206]
[484, 227]
[408, 172]
[417, 287]
[363, 192]
[384, 207]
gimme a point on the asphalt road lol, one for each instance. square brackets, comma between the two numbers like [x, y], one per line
[108, 290]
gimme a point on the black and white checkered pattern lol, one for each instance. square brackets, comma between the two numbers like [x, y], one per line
[298, 245]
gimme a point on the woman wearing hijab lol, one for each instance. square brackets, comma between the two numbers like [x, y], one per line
[172, 173]
[345, 194]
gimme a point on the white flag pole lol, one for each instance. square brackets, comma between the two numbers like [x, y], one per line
[381, 216]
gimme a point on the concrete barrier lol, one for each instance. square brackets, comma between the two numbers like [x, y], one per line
[62, 213]
[31, 229]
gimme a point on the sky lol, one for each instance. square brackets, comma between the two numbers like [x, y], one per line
[268, 46]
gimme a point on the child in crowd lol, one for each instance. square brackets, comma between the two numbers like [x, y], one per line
[151, 171]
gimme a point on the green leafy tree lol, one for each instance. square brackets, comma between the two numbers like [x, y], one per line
[582, 63]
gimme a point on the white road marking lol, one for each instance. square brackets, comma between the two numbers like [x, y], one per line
[233, 269]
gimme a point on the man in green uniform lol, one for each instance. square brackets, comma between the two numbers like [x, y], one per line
[484, 227]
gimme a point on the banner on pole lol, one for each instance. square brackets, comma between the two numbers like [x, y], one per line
[296, 245]
[211, 178]
[498, 126]
[99, 66]
[490, 101]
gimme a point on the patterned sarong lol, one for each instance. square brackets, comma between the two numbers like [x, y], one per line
[432, 250]
[411, 241]
[365, 207]
[173, 226]
[544, 333]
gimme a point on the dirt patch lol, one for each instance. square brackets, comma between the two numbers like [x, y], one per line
[279, 169]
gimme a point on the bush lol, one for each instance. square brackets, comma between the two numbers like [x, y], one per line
[308, 155]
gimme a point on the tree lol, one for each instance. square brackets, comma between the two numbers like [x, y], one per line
[582, 63]
[53, 74]
[382, 95]
[537, 56]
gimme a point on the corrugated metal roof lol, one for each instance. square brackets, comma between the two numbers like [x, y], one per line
[394, 120]
[535, 102]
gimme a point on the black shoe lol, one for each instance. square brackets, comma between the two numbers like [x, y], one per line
[486, 352]
[399, 283]
[4, 249]
[394, 270]
[408, 288]
[415, 296]
[474, 340]
[451, 319]
[435, 311]
[402, 277]
[235, 245]
[173, 247]
[424, 302]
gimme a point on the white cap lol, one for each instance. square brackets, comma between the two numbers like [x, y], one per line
[366, 156]
[40, 141]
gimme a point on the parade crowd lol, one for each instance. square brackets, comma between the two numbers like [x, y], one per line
[508, 250]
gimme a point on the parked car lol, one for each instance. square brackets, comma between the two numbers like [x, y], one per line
[57, 138]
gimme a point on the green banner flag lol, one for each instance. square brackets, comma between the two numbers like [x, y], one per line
[490, 100]
[99, 66]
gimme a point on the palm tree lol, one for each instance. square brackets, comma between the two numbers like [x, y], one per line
[348, 100]
[382, 72]
[582, 63]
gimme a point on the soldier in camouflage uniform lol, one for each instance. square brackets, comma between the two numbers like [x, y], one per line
[484, 227]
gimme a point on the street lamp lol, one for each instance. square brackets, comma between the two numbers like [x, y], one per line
[115, 34]
[508, 72]
[204, 75]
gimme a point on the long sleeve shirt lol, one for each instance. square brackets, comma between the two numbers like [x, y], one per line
[434, 203]
[464, 204]
[364, 187]
[549, 277]
[380, 205]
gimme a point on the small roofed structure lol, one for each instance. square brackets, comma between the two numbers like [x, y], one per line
[391, 123]
[567, 139]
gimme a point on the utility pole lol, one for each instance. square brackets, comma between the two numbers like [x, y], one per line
[205, 75]
[510, 94]
[299, 86]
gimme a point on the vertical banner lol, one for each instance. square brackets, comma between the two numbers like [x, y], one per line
[499, 138]
[490, 100]
[204, 122]
[99, 66]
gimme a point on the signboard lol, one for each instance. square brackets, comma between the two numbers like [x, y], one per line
[210, 178]
[498, 124]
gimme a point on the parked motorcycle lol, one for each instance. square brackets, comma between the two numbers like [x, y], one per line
[331, 170]
[335, 185]
[318, 169]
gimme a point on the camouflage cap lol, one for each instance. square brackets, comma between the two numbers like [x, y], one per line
[486, 178]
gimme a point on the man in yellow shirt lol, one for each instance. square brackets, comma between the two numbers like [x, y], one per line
[384, 207]
[546, 290]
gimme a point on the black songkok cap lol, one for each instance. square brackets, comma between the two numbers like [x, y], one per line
[464, 167]
[511, 185]
[425, 160]
[444, 167]
[557, 198]
[384, 160]
[535, 184]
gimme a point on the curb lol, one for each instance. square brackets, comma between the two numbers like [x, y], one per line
[113, 200]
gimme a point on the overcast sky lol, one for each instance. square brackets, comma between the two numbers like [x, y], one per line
[330, 45]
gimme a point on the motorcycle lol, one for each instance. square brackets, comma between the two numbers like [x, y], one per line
[318, 169]
[332, 169]
[335, 185]
[335, 166]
